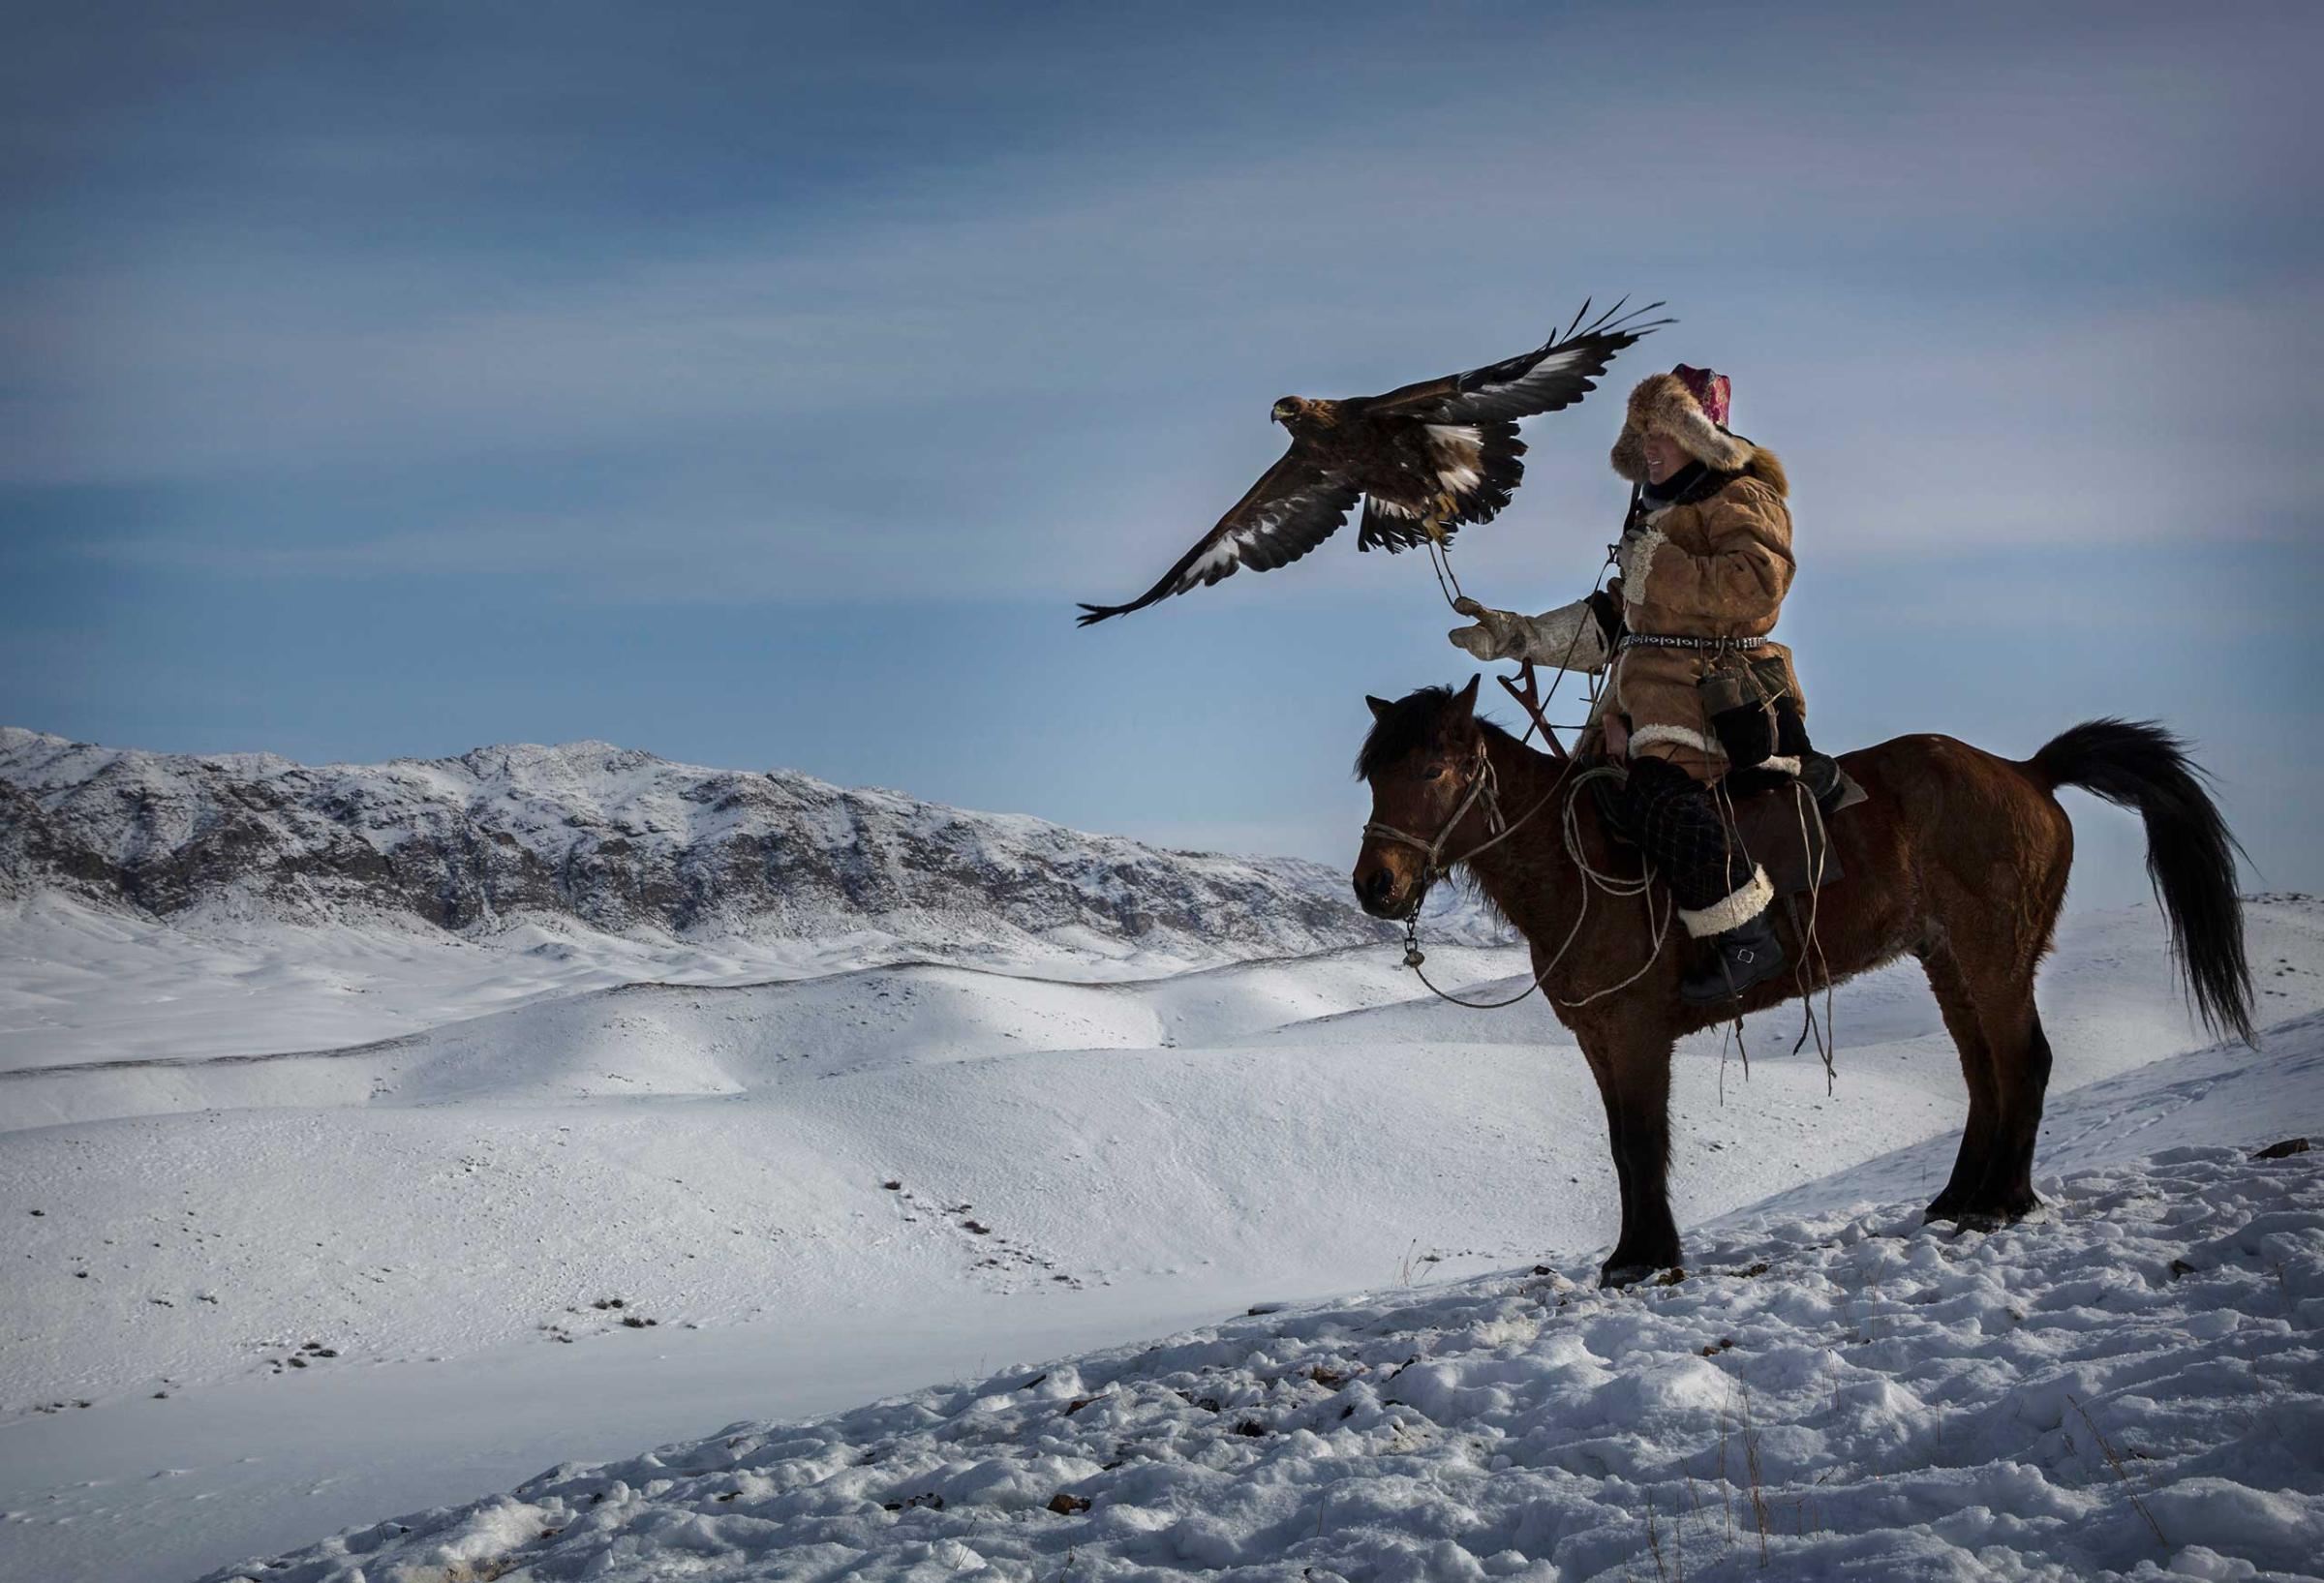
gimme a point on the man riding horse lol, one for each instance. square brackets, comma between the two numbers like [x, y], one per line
[1958, 857]
[1696, 688]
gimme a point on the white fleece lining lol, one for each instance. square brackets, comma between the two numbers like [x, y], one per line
[1787, 763]
[1736, 911]
[1646, 736]
[1637, 565]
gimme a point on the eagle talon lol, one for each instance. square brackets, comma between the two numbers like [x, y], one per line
[1445, 505]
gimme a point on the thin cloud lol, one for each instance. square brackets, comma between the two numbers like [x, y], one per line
[373, 329]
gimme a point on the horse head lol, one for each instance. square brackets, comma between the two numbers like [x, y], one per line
[1425, 763]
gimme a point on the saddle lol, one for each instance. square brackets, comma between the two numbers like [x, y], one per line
[1769, 817]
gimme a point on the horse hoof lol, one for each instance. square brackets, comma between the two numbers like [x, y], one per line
[1966, 1219]
[1988, 1220]
[1614, 1277]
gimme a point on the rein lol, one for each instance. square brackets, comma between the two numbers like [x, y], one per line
[1483, 784]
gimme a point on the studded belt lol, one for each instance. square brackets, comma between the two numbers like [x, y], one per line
[1657, 640]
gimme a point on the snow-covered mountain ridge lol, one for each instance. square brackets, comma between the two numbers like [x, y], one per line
[619, 840]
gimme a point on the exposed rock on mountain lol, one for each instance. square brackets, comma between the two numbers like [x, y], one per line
[622, 841]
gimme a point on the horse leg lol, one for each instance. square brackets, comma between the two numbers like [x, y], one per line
[2022, 1067]
[1609, 1093]
[1992, 952]
[1634, 1079]
[1978, 1134]
[1993, 1185]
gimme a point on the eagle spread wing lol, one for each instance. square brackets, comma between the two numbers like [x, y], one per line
[1424, 459]
[1295, 504]
[1542, 380]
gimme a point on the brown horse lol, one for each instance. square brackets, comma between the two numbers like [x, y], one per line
[1957, 857]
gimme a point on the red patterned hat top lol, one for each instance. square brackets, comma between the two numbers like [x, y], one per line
[1711, 392]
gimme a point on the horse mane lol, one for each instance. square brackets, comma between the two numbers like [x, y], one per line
[1410, 724]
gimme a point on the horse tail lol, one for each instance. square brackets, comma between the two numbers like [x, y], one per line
[2191, 853]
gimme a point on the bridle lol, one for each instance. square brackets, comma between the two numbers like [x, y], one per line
[1481, 784]
[1482, 788]
[1485, 786]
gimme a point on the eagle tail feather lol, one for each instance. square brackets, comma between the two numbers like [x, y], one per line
[1387, 528]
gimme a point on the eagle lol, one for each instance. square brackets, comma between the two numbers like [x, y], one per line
[1424, 459]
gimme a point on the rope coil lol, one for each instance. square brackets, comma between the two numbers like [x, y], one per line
[1569, 824]
[1483, 784]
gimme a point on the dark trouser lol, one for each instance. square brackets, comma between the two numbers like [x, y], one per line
[1790, 732]
[1676, 825]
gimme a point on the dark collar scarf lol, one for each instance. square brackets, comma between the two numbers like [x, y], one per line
[1695, 481]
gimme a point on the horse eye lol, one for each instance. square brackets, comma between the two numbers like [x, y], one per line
[1434, 771]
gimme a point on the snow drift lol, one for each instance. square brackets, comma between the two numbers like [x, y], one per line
[449, 1219]
[2129, 1385]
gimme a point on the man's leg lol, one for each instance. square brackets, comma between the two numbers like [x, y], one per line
[1820, 773]
[1721, 897]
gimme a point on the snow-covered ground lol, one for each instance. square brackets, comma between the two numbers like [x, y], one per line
[310, 1291]
[2127, 1386]
[85, 986]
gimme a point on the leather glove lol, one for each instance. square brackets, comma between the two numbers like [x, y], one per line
[1574, 637]
[1499, 634]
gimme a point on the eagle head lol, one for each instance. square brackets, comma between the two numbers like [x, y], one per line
[1287, 411]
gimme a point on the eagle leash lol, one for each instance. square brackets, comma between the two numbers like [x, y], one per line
[1525, 688]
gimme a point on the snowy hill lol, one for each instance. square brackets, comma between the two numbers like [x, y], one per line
[368, 1280]
[2128, 1385]
[615, 841]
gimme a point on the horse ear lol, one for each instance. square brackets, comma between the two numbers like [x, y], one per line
[1466, 697]
[1380, 707]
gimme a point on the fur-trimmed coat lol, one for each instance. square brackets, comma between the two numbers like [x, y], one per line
[1714, 568]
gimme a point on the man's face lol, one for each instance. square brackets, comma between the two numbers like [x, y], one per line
[1662, 455]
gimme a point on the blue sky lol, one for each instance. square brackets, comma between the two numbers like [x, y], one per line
[761, 384]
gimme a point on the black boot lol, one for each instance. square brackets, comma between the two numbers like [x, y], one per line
[1744, 957]
[1820, 773]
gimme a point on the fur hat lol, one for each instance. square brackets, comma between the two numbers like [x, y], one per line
[1690, 405]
